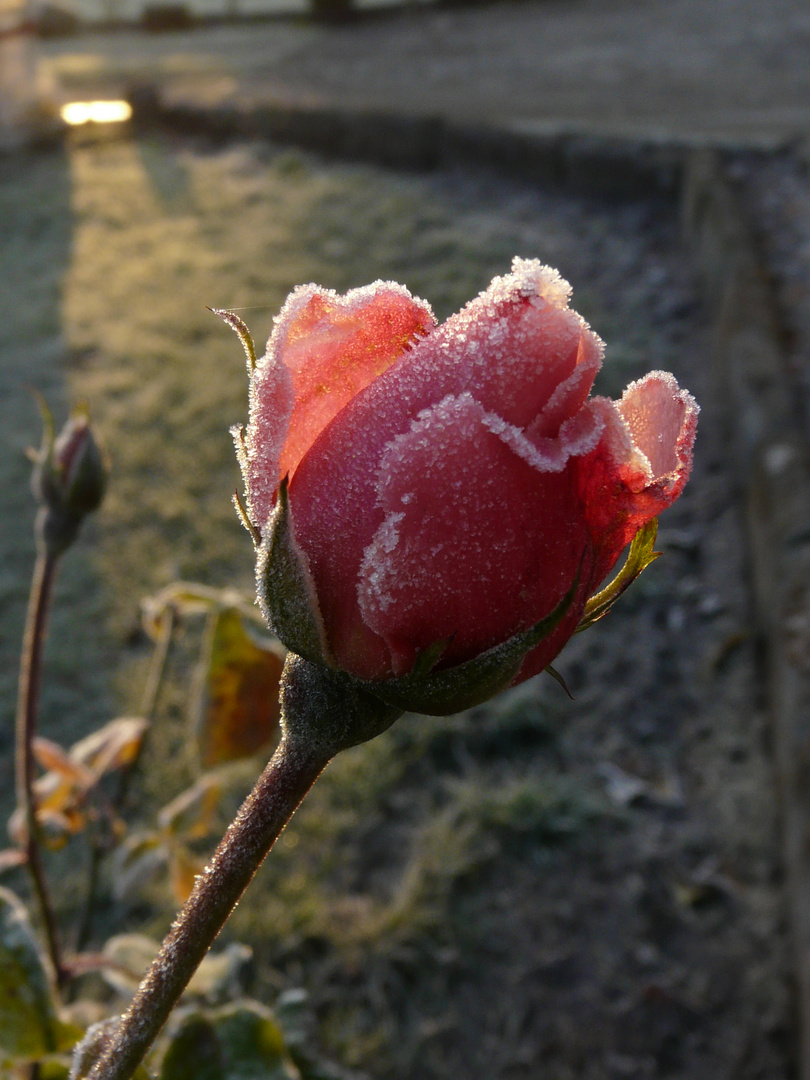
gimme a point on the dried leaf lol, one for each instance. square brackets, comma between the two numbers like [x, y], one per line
[113, 746]
[61, 794]
[12, 857]
[237, 707]
[191, 813]
[53, 757]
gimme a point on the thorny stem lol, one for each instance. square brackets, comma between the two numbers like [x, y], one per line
[290, 774]
[27, 709]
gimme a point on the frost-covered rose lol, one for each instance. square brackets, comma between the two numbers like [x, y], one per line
[447, 484]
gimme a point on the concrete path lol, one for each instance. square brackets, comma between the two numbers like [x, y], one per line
[698, 69]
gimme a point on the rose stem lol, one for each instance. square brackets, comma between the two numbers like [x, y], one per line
[290, 774]
[27, 708]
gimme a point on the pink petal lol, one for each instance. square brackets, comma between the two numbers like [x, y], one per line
[471, 549]
[510, 348]
[641, 464]
[323, 351]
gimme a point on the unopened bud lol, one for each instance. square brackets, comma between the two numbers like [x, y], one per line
[69, 479]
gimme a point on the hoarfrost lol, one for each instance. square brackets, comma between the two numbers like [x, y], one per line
[375, 569]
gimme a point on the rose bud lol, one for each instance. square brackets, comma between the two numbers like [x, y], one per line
[434, 506]
[70, 477]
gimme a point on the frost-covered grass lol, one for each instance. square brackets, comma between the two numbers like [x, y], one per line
[111, 252]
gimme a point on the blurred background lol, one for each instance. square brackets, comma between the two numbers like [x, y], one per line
[586, 887]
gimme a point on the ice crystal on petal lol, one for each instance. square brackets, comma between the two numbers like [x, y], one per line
[376, 565]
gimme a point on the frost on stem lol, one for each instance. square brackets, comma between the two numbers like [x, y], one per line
[328, 711]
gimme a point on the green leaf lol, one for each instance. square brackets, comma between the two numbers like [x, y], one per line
[130, 955]
[252, 1044]
[53, 1069]
[28, 1022]
[639, 557]
[237, 708]
[241, 1041]
[219, 975]
[194, 1052]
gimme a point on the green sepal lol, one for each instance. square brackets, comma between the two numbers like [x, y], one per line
[473, 682]
[284, 588]
[552, 671]
[239, 327]
[639, 557]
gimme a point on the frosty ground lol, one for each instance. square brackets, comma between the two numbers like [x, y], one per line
[583, 888]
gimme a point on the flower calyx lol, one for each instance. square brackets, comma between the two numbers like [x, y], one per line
[439, 693]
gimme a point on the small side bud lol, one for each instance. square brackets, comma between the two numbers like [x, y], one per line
[69, 480]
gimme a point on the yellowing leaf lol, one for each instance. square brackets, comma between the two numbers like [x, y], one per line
[237, 708]
[135, 861]
[183, 870]
[190, 598]
[52, 756]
